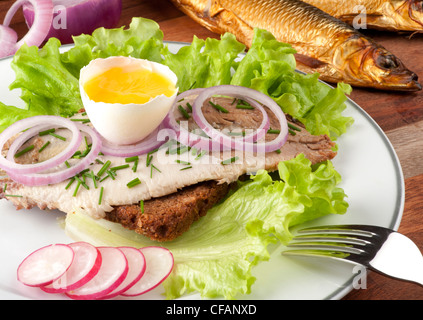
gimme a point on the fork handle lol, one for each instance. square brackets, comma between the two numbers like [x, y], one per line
[400, 258]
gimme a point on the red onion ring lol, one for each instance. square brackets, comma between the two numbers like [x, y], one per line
[183, 135]
[205, 143]
[8, 39]
[8, 164]
[42, 21]
[241, 93]
[74, 17]
[39, 179]
[150, 143]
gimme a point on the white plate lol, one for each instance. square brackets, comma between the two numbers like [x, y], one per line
[372, 179]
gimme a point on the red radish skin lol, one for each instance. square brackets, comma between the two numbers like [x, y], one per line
[137, 267]
[45, 265]
[85, 266]
[159, 265]
[112, 273]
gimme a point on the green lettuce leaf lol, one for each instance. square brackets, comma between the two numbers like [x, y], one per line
[216, 256]
[47, 86]
[204, 63]
[143, 40]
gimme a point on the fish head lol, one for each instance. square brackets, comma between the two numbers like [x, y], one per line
[407, 13]
[370, 65]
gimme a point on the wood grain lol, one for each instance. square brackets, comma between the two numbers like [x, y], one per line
[400, 115]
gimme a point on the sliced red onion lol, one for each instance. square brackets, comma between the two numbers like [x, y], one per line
[35, 124]
[241, 93]
[8, 39]
[43, 17]
[74, 17]
[39, 179]
[217, 143]
[150, 143]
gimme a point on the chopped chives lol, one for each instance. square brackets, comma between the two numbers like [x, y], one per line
[151, 170]
[57, 136]
[183, 162]
[81, 120]
[142, 206]
[13, 195]
[124, 166]
[278, 151]
[153, 166]
[184, 112]
[131, 159]
[22, 152]
[148, 160]
[111, 174]
[135, 166]
[70, 183]
[94, 179]
[5, 188]
[232, 133]
[202, 153]
[182, 149]
[75, 192]
[46, 132]
[192, 85]
[189, 106]
[100, 198]
[44, 146]
[290, 125]
[67, 164]
[82, 182]
[133, 183]
[218, 107]
[104, 168]
[244, 106]
[186, 168]
[292, 132]
[86, 142]
[273, 131]
[231, 160]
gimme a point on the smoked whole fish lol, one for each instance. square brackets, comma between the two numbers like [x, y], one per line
[324, 44]
[394, 15]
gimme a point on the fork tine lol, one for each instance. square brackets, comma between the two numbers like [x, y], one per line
[324, 246]
[355, 230]
[319, 238]
[349, 242]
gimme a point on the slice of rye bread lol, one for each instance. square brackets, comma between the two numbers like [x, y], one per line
[166, 218]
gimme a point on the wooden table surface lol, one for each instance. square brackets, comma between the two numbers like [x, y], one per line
[400, 115]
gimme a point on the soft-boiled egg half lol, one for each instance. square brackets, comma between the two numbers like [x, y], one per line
[126, 98]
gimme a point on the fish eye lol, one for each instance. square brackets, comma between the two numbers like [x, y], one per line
[387, 61]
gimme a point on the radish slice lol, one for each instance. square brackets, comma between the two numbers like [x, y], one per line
[45, 265]
[159, 265]
[137, 267]
[111, 274]
[85, 266]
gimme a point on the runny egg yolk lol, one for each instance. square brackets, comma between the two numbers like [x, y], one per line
[117, 85]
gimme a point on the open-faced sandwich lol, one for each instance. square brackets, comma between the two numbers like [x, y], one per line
[207, 151]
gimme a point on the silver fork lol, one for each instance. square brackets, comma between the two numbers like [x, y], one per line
[376, 248]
